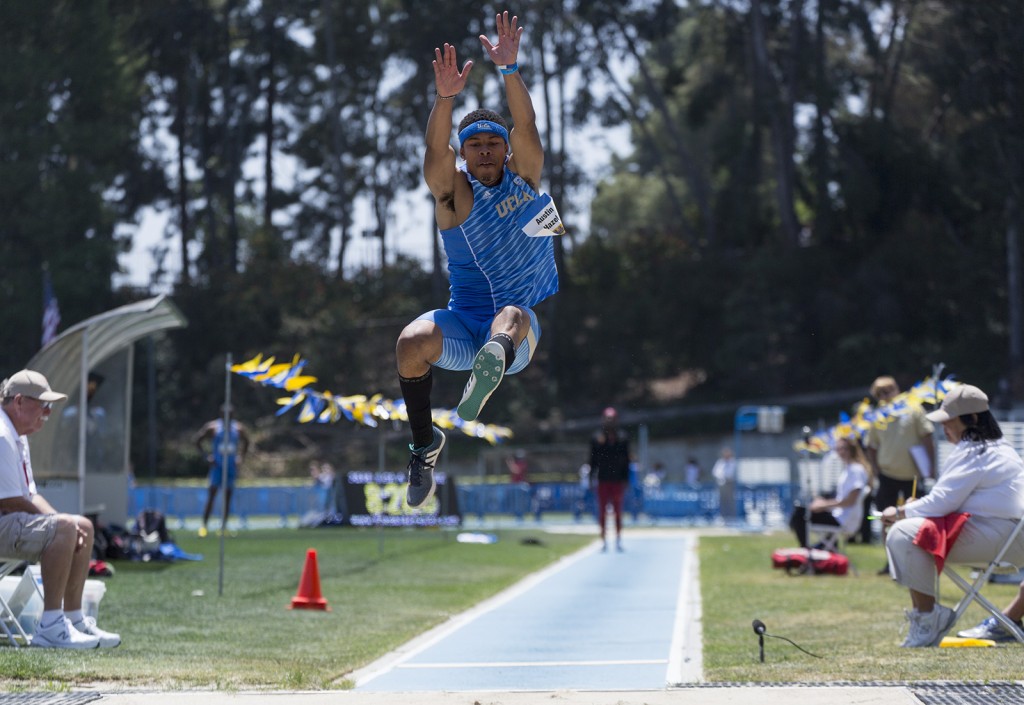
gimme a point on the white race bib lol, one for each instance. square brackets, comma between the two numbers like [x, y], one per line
[539, 218]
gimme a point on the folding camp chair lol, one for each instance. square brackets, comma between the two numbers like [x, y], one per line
[833, 538]
[818, 478]
[829, 537]
[972, 591]
[10, 611]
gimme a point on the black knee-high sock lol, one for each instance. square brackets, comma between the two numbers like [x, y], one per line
[505, 341]
[416, 393]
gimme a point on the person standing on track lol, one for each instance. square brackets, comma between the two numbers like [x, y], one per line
[609, 463]
[486, 207]
[226, 452]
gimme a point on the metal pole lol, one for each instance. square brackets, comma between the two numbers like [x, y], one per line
[151, 417]
[737, 429]
[83, 417]
[381, 456]
[225, 443]
[126, 426]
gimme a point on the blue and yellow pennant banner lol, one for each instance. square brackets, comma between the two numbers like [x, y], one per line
[325, 407]
[931, 390]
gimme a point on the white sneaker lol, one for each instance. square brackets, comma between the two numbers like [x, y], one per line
[928, 628]
[87, 625]
[61, 635]
[989, 628]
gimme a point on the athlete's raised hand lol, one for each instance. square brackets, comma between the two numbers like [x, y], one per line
[448, 79]
[507, 49]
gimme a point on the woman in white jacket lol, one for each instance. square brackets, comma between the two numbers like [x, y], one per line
[983, 477]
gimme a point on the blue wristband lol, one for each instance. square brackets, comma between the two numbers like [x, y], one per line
[509, 69]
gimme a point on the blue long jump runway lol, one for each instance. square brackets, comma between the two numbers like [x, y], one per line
[608, 621]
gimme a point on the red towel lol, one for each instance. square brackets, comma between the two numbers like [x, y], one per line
[938, 534]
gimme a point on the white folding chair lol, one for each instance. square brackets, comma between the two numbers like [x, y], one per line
[833, 538]
[972, 590]
[817, 478]
[9, 613]
[829, 537]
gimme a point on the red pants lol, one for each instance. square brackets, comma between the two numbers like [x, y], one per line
[610, 493]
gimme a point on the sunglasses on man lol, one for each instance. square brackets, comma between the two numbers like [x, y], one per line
[45, 405]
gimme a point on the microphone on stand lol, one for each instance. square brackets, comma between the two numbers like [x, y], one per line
[759, 629]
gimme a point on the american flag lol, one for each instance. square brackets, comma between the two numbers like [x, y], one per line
[51, 311]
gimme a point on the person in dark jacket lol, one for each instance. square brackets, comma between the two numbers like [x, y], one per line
[609, 467]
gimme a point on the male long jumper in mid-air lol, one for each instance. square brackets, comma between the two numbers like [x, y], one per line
[492, 218]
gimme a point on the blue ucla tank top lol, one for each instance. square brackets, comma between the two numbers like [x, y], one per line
[491, 261]
[230, 447]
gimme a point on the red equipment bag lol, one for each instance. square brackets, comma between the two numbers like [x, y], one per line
[801, 561]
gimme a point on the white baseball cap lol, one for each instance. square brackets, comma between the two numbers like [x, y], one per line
[29, 383]
[961, 400]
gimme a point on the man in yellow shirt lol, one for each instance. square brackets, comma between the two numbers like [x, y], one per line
[889, 450]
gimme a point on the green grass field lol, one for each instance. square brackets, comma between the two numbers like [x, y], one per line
[854, 622]
[383, 588]
[386, 587]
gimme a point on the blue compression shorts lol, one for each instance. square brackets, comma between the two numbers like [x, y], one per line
[464, 335]
[215, 473]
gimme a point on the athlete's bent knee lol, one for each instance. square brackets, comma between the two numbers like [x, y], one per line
[419, 342]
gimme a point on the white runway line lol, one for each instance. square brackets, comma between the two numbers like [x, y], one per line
[427, 639]
[686, 655]
[535, 664]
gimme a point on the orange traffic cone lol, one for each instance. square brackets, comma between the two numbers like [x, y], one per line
[308, 597]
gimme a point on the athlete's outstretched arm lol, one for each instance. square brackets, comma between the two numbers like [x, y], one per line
[527, 151]
[439, 158]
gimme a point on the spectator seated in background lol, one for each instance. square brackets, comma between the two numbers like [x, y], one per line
[968, 515]
[32, 530]
[846, 510]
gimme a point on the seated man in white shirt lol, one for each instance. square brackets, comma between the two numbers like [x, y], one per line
[32, 530]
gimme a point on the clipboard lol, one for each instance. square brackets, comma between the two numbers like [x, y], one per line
[922, 461]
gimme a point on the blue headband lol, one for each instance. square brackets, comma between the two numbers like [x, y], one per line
[482, 126]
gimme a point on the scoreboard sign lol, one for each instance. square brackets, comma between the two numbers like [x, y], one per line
[378, 499]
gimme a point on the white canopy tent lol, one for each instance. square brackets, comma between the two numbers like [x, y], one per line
[81, 459]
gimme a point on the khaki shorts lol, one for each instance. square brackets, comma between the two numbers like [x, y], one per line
[25, 536]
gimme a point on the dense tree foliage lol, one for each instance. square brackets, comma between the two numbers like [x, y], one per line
[815, 191]
[71, 166]
[865, 121]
